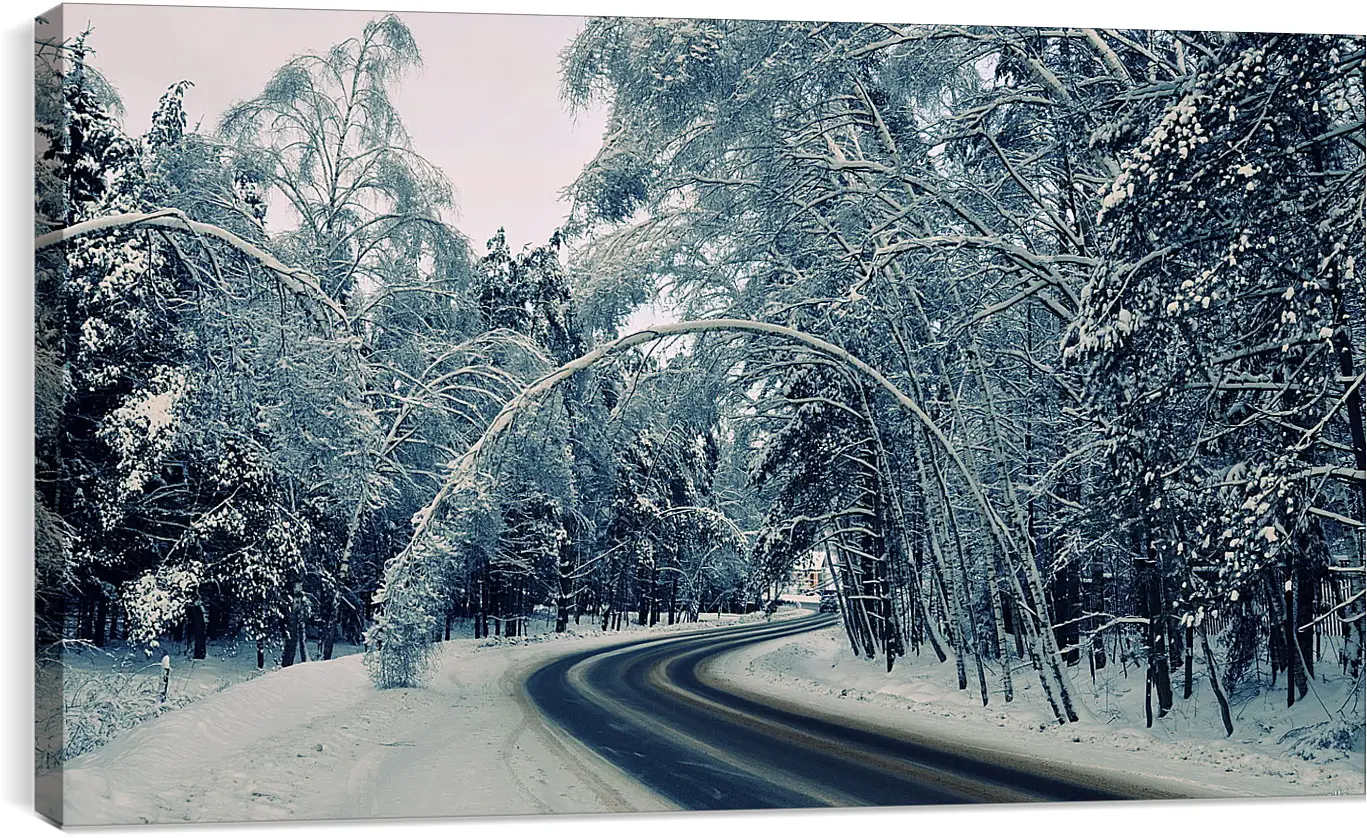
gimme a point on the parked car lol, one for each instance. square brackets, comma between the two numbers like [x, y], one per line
[829, 603]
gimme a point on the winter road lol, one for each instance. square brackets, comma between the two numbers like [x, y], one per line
[652, 709]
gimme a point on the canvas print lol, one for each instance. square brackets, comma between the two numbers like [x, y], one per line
[458, 414]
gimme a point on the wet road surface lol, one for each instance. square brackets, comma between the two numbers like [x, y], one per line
[650, 709]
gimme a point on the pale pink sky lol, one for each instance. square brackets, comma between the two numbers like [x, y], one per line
[485, 107]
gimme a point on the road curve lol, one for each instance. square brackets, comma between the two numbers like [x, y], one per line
[649, 708]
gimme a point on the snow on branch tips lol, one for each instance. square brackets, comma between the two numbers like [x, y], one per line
[392, 636]
[299, 282]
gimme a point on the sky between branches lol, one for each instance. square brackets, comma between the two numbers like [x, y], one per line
[485, 108]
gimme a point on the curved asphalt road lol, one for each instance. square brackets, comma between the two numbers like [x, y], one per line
[646, 708]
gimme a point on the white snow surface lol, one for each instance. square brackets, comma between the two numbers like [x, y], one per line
[1187, 750]
[317, 741]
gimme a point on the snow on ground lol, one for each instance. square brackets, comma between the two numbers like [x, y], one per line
[317, 741]
[106, 691]
[817, 669]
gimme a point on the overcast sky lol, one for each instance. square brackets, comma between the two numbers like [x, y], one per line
[485, 108]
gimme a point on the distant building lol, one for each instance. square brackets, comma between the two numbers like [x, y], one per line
[810, 573]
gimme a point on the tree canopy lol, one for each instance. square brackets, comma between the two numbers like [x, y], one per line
[1045, 344]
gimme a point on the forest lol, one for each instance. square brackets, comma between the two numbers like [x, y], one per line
[1046, 343]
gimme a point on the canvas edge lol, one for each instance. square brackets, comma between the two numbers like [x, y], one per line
[48, 782]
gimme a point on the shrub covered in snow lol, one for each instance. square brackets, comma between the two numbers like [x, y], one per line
[1329, 738]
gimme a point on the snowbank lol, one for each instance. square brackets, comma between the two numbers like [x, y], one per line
[1188, 748]
[106, 691]
[317, 741]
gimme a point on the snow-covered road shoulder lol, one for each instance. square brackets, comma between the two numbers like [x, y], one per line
[816, 670]
[317, 741]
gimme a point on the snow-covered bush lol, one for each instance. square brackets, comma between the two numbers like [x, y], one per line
[1339, 737]
[398, 656]
[399, 650]
[155, 601]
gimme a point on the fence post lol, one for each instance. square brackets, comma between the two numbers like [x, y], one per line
[165, 676]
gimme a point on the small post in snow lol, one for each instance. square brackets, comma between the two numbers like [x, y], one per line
[165, 676]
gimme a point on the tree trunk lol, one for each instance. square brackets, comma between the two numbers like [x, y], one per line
[998, 621]
[1284, 617]
[291, 646]
[85, 628]
[1148, 696]
[1186, 674]
[1148, 575]
[1306, 605]
[328, 645]
[1097, 598]
[973, 634]
[101, 617]
[1215, 685]
[1068, 612]
[564, 594]
[198, 629]
[923, 595]
[837, 580]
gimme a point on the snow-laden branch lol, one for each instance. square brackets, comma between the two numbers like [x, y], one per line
[711, 514]
[299, 281]
[535, 391]
[400, 570]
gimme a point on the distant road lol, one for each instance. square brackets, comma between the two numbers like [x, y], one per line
[647, 708]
